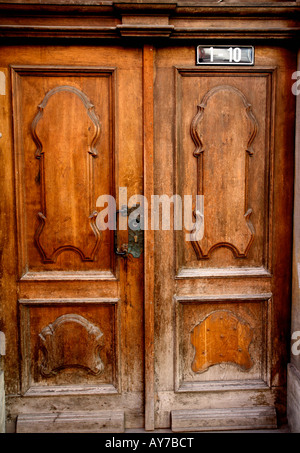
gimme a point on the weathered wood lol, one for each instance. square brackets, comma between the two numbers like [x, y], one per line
[72, 422]
[84, 146]
[224, 104]
[2, 344]
[8, 289]
[70, 343]
[293, 398]
[204, 170]
[148, 80]
[55, 232]
[295, 321]
[260, 417]
[225, 349]
[60, 280]
[150, 19]
[201, 280]
[294, 366]
[2, 402]
[218, 272]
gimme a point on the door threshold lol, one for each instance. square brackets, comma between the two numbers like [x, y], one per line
[282, 430]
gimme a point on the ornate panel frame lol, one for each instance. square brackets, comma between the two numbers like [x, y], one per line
[270, 74]
[264, 382]
[17, 71]
[28, 387]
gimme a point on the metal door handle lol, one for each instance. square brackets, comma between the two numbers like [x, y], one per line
[135, 244]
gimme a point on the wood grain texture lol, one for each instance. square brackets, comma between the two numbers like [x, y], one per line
[223, 165]
[199, 288]
[146, 146]
[62, 171]
[75, 173]
[72, 422]
[241, 223]
[75, 341]
[148, 80]
[222, 341]
[71, 341]
[221, 337]
[79, 89]
[261, 417]
[8, 243]
[295, 316]
[273, 19]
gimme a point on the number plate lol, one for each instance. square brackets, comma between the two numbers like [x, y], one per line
[225, 55]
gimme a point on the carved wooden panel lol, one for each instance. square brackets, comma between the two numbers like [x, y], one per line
[64, 142]
[71, 341]
[232, 275]
[225, 154]
[77, 331]
[223, 131]
[66, 130]
[73, 347]
[222, 340]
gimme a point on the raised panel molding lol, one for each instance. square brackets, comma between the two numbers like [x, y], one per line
[223, 131]
[72, 422]
[167, 19]
[71, 341]
[224, 143]
[221, 337]
[65, 150]
[222, 342]
[222, 419]
[74, 353]
[55, 215]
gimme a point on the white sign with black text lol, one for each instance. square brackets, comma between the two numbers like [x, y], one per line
[225, 55]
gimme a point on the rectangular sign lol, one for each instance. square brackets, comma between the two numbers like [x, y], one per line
[225, 55]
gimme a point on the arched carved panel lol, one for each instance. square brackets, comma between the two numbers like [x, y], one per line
[66, 131]
[221, 337]
[71, 341]
[223, 131]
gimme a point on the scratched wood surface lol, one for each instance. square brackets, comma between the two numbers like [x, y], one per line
[78, 134]
[236, 269]
[87, 120]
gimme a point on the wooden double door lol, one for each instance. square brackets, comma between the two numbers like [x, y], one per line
[191, 335]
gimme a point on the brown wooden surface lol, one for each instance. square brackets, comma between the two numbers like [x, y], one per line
[246, 418]
[234, 173]
[77, 135]
[83, 422]
[224, 109]
[67, 19]
[65, 222]
[149, 269]
[143, 326]
[253, 289]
